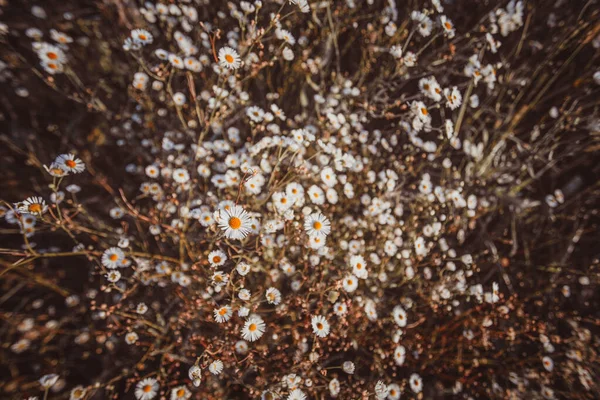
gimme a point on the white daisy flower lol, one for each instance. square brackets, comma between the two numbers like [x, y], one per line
[216, 367]
[77, 393]
[548, 363]
[180, 393]
[176, 61]
[181, 175]
[222, 314]
[350, 283]
[416, 383]
[320, 326]
[141, 36]
[217, 258]
[400, 355]
[32, 205]
[235, 221]
[131, 338]
[316, 195]
[448, 26]
[296, 394]
[195, 374]
[113, 276]
[273, 296]
[229, 58]
[348, 367]
[254, 328]
[399, 316]
[316, 224]
[340, 309]
[112, 257]
[255, 113]
[146, 389]
[242, 268]
[359, 267]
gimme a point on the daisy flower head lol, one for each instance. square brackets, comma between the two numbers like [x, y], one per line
[448, 26]
[286, 36]
[399, 316]
[316, 242]
[350, 283]
[52, 67]
[176, 61]
[254, 328]
[179, 99]
[420, 111]
[141, 36]
[112, 257]
[316, 224]
[56, 170]
[69, 163]
[113, 276]
[50, 53]
[242, 268]
[282, 202]
[296, 394]
[255, 113]
[453, 98]
[181, 175]
[77, 393]
[359, 267]
[381, 390]
[131, 338]
[195, 374]
[222, 314]
[316, 195]
[348, 367]
[146, 389]
[229, 58]
[294, 190]
[273, 296]
[141, 308]
[340, 309]
[400, 355]
[416, 383]
[216, 367]
[393, 391]
[32, 205]
[235, 222]
[320, 326]
[216, 258]
[328, 177]
[219, 278]
[548, 363]
[180, 393]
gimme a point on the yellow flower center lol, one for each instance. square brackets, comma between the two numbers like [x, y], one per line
[35, 208]
[235, 223]
[317, 225]
[252, 327]
[229, 58]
